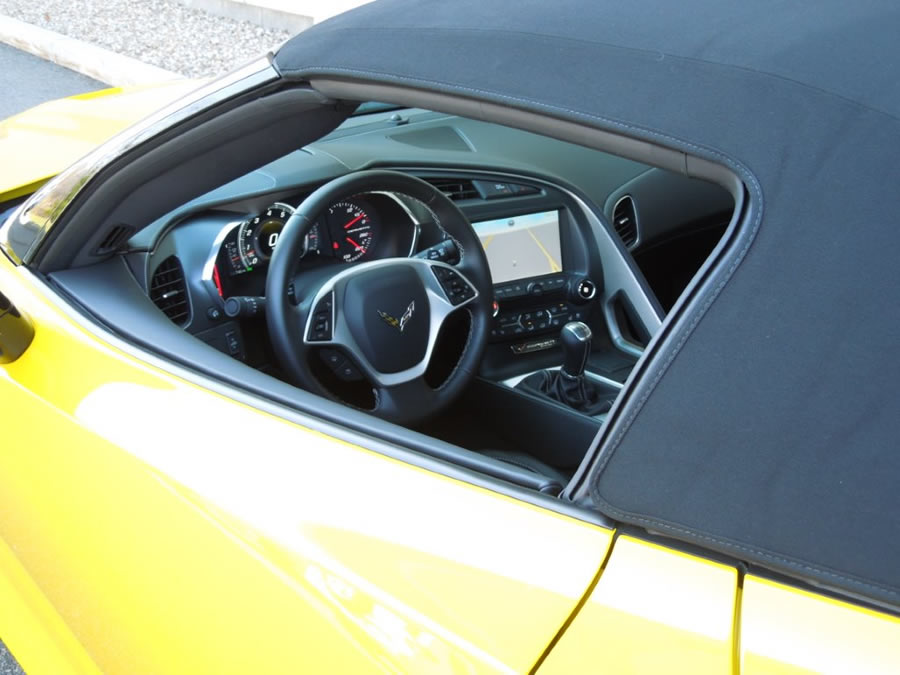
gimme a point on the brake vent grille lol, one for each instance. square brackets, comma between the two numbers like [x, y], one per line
[167, 290]
[456, 189]
[625, 220]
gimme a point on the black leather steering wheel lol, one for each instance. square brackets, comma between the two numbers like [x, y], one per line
[383, 317]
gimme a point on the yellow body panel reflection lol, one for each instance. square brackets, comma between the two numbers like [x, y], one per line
[653, 610]
[176, 530]
[789, 631]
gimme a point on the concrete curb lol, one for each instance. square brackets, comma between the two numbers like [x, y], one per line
[290, 15]
[273, 18]
[82, 57]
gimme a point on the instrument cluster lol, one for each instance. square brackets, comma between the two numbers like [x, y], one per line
[354, 229]
[347, 232]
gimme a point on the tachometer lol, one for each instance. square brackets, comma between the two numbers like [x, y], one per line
[352, 230]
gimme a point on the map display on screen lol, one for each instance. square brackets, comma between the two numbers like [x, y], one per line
[521, 246]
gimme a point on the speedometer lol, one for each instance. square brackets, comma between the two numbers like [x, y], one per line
[352, 230]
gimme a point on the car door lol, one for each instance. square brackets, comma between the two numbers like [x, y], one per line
[151, 524]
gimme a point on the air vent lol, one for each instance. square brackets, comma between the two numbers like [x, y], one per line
[114, 239]
[456, 189]
[167, 290]
[625, 220]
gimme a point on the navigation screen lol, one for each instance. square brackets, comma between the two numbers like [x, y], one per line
[524, 246]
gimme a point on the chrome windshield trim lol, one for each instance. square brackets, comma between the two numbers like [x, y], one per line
[42, 211]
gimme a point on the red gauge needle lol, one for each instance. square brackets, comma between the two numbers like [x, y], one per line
[354, 220]
[354, 243]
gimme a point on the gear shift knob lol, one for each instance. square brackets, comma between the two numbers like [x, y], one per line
[576, 344]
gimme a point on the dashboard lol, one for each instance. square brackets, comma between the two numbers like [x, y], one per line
[541, 209]
[540, 243]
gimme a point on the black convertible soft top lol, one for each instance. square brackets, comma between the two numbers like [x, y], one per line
[765, 425]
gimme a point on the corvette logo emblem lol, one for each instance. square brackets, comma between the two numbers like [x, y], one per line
[400, 323]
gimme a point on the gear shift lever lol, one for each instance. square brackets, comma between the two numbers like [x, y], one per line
[568, 385]
[576, 343]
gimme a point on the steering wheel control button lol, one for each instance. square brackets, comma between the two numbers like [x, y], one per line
[332, 358]
[455, 287]
[348, 372]
[322, 318]
[340, 365]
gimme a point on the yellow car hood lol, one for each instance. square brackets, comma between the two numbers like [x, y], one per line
[39, 143]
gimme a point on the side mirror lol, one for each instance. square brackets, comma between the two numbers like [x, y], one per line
[16, 332]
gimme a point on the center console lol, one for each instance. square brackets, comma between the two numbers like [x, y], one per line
[539, 305]
[540, 275]
[547, 270]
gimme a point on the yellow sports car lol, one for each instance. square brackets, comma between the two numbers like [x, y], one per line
[465, 337]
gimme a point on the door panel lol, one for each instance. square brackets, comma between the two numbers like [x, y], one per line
[789, 631]
[653, 610]
[44, 644]
[176, 530]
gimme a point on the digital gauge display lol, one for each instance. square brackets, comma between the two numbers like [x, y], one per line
[258, 236]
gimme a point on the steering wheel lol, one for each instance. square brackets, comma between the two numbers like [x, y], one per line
[379, 320]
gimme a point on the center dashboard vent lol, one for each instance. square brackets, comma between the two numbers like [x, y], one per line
[457, 189]
[168, 292]
[625, 221]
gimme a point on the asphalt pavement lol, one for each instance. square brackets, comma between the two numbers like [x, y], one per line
[8, 665]
[26, 81]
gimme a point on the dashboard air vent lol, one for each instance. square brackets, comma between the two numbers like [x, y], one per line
[167, 290]
[625, 220]
[456, 189]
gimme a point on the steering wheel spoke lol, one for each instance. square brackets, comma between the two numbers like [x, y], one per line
[413, 394]
[417, 296]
